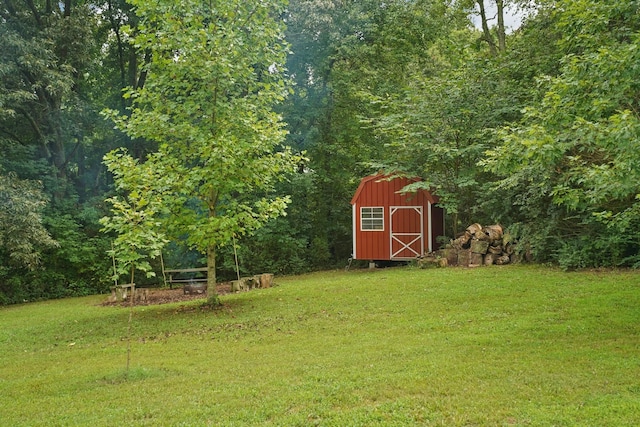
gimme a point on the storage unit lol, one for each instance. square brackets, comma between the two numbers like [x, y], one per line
[389, 226]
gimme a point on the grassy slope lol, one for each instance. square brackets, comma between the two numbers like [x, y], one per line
[488, 346]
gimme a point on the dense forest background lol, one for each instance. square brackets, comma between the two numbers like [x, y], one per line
[535, 127]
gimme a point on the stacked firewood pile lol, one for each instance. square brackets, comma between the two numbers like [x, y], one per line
[480, 246]
[477, 246]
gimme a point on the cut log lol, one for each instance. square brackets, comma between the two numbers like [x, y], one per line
[254, 282]
[463, 257]
[476, 259]
[451, 255]
[507, 239]
[428, 261]
[237, 285]
[247, 283]
[474, 229]
[122, 291]
[493, 232]
[479, 246]
[266, 280]
[250, 282]
[509, 248]
[433, 259]
[495, 250]
[462, 242]
[504, 259]
[481, 236]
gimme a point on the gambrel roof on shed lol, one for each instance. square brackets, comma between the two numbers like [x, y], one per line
[386, 190]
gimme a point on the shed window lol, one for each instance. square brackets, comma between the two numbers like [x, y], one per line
[371, 219]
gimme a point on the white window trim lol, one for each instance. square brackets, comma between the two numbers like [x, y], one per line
[381, 208]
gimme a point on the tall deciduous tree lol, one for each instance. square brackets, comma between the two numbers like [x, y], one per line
[432, 120]
[455, 89]
[135, 214]
[575, 153]
[51, 132]
[493, 16]
[46, 50]
[216, 72]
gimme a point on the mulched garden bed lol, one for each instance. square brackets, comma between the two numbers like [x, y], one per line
[157, 296]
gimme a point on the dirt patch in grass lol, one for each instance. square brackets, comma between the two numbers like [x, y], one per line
[155, 296]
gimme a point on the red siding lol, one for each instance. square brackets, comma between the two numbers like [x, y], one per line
[437, 226]
[378, 191]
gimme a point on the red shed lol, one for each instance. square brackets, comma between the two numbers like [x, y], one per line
[389, 226]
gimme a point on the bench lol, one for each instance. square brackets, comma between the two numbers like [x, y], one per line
[177, 276]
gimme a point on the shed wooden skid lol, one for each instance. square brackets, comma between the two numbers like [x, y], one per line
[389, 226]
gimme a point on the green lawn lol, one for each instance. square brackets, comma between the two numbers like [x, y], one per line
[494, 346]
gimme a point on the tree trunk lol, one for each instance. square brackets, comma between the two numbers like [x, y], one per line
[486, 33]
[212, 292]
[502, 35]
[57, 146]
[67, 8]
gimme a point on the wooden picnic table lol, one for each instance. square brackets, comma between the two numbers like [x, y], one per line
[180, 272]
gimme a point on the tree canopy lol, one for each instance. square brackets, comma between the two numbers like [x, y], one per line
[215, 73]
[576, 148]
[22, 235]
[535, 127]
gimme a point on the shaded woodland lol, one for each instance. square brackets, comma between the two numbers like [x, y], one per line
[536, 128]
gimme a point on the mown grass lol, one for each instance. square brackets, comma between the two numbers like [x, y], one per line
[517, 345]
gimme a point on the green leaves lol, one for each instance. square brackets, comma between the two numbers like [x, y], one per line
[216, 73]
[135, 214]
[579, 147]
[22, 235]
[434, 126]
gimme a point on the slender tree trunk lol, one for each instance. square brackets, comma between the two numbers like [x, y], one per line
[57, 147]
[131, 298]
[486, 33]
[122, 62]
[502, 35]
[212, 292]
